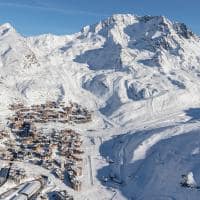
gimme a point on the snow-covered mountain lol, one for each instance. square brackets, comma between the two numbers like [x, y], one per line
[124, 61]
[133, 72]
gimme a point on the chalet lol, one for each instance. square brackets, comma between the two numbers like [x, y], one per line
[77, 171]
[76, 158]
[78, 151]
[57, 172]
[4, 173]
[76, 184]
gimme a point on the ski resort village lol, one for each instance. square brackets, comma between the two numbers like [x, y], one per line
[111, 112]
[33, 136]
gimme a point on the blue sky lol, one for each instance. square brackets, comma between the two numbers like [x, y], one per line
[33, 17]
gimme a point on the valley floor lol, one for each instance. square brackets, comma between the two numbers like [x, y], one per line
[151, 160]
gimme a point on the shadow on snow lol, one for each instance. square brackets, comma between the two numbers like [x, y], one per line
[194, 113]
[159, 174]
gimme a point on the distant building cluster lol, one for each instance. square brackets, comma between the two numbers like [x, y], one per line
[17, 174]
[26, 191]
[12, 173]
[49, 112]
[58, 150]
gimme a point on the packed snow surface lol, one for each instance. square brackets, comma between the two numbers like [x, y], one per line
[140, 77]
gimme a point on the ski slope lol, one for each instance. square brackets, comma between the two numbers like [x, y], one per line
[139, 75]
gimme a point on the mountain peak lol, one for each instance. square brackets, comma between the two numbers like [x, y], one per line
[108, 23]
[6, 25]
[116, 18]
[5, 28]
[183, 30]
[121, 18]
[122, 40]
[140, 24]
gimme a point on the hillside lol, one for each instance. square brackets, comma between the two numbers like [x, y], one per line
[139, 76]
